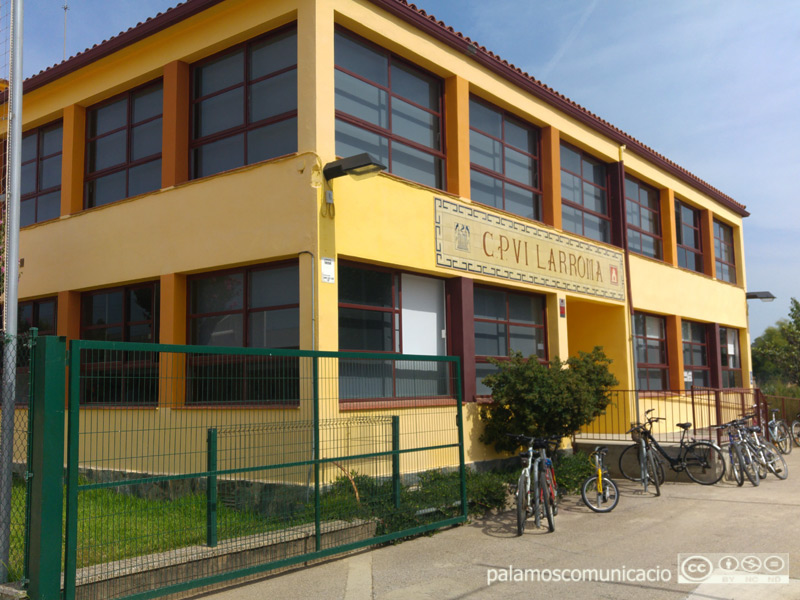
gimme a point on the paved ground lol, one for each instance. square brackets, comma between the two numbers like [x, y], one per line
[643, 536]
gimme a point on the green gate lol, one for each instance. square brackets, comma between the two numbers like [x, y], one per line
[189, 466]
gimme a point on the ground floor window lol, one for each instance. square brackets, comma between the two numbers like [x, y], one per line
[506, 322]
[696, 368]
[652, 364]
[731, 358]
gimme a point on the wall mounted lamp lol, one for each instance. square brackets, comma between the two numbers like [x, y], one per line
[359, 165]
[763, 296]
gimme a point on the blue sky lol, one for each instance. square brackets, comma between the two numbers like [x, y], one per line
[713, 85]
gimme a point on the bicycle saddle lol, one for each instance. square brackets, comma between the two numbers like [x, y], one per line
[755, 428]
[684, 425]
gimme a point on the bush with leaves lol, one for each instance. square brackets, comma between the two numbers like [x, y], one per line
[533, 399]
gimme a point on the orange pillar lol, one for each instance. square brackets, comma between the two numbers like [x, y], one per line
[456, 126]
[68, 320]
[172, 330]
[551, 177]
[175, 125]
[675, 352]
[72, 161]
[707, 233]
[668, 233]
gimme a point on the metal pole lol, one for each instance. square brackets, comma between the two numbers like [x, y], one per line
[11, 294]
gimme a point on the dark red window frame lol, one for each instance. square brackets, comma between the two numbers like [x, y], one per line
[395, 310]
[719, 244]
[35, 307]
[732, 376]
[685, 251]
[691, 346]
[37, 161]
[636, 204]
[642, 341]
[581, 208]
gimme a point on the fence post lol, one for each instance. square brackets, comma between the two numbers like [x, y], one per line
[460, 423]
[33, 333]
[211, 489]
[396, 460]
[315, 443]
[47, 468]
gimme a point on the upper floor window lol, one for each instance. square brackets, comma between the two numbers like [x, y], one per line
[504, 156]
[697, 371]
[390, 109]
[584, 195]
[652, 364]
[40, 190]
[244, 105]
[37, 313]
[506, 322]
[687, 231]
[123, 146]
[731, 357]
[643, 215]
[723, 252]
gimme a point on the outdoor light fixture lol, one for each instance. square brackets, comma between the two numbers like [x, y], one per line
[358, 165]
[763, 296]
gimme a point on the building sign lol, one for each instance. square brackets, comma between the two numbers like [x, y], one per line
[471, 239]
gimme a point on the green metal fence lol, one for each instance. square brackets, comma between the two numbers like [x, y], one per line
[190, 466]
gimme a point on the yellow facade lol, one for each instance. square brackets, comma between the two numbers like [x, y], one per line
[283, 209]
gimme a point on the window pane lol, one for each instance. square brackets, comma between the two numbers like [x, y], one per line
[524, 203]
[217, 294]
[274, 54]
[571, 220]
[596, 228]
[486, 119]
[48, 207]
[27, 212]
[519, 167]
[352, 140]
[416, 166]
[360, 59]
[219, 156]
[485, 151]
[219, 113]
[635, 241]
[594, 171]
[102, 309]
[50, 173]
[106, 189]
[275, 329]
[594, 198]
[47, 316]
[147, 103]
[273, 96]
[144, 178]
[523, 339]
[142, 333]
[486, 189]
[571, 188]
[109, 117]
[28, 147]
[489, 304]
[365, 330]
[362, 100]
[225, 330]
[28, 179]
[521, 136]
[363, 286]
[219, 74]
[570, 160]
[416, 86]
[481, 371]
[631, 189]
[415, 124]
[108, 151]
[274, 287]
[655, 327]
[490, 339]
[273, 140]
[525, 309]
[146, 139]
[140, 304]
[51, 141]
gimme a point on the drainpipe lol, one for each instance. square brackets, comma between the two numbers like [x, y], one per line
[313, 296]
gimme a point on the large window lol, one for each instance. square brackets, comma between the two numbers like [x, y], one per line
[40, 190]
[696, 369]
[643, 215]
[256, 307]
[389, 312]
[390, 109]
[504, 152]
[506, 322]
[652, 363]
[584, 195]
[37, 313]
[123, 146]
[244, 107]
[723, 252]
[687, 230]
[731, 358]
[124, 314]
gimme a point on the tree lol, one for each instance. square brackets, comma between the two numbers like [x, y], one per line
[533, 399]
[776, 353]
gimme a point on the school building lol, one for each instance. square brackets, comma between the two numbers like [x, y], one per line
[180, 186]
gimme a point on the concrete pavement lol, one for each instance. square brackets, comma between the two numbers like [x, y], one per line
[640, 539]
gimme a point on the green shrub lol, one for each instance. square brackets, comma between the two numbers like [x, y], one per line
[571, 471]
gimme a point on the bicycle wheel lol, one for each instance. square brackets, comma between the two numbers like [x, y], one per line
[704, 463]
[522, 502]
[552, 473]
[783, 438]
[652, 473]
[603, 500]
[547, 501]
[775, 461]
[760, 460]
[737, 464]
[629, 465]
[536, 494]
[796, 432]
[749, 462]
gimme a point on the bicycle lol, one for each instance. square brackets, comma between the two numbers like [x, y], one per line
[768, 457]
[741, 459]
[599, 492]
[796, 429]
[647, 463]
[779, 433]
[701, 460]
[542, 493]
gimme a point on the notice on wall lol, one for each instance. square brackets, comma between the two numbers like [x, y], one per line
[328, 269]
[687, 377]
[470, 238]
